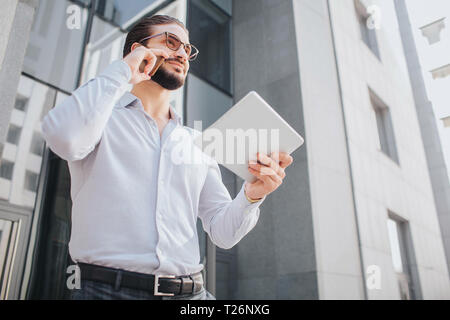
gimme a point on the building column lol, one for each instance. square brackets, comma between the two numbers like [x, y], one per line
[276, 260]
[16, 20]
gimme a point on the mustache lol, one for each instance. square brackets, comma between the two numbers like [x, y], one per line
[174, 60]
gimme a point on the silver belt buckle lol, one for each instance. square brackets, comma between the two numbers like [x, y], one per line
[156, 287]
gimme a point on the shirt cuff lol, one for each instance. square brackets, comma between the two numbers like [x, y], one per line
[244, 203]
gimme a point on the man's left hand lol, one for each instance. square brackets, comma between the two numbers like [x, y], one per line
[269, 171]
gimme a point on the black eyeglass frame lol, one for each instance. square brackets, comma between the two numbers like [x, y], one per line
[192, 57]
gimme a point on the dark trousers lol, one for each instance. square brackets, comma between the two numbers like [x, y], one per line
[93, 290]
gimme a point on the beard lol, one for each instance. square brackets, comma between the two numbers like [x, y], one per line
[167, 79]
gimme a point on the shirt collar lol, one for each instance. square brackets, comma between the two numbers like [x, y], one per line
[129, 100]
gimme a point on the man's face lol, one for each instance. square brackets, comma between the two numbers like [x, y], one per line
[170, 74]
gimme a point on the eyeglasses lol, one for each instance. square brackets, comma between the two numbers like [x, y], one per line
[174, 43]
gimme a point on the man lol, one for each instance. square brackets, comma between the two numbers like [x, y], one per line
[135, 209]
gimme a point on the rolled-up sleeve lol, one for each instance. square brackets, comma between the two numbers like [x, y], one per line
[226, 220]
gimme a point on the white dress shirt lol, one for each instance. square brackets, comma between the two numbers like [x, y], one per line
[134, 207]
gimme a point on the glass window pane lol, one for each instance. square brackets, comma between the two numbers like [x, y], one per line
[50, 266]
[201, 241]
[37, 144]
[56, 42]
[368, 36]
[395, 245]
[31, 181]
[124, 12]
[205, 102]
[21, 103]
[21, 159]
[225, 5]
[13, 134]
[6, 169]
[83, 3]
[105, 45]
[210, 31]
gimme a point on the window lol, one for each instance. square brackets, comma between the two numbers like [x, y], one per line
[368, 35]
[37, 144]
[25, 146]
[31, 181]
[446, 121]
[432, 31]
[123, 13]
[205, 102]
[385, 129]
[54, 50]
[403, 257]
[210, 31]
[441, 72]
[225, 5]
[8, 242]
[13, 134]
[21, 103]
[6, 169]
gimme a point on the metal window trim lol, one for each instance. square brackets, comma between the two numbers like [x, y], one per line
[32, 243]
[23, 216]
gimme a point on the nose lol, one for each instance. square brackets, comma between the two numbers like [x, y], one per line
[181, 53]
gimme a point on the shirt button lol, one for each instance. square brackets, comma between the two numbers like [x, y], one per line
[162, 181]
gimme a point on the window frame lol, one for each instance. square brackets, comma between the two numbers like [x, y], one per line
[371, 38]
[385, 129]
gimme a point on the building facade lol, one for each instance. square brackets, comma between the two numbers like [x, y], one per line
[355, 218]
[426, 39]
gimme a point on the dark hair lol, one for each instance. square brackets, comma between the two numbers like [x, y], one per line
[144, 29]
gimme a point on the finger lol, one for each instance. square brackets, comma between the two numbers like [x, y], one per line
[260, 176]
[285, 159]
[158, 52]
[147, 69]
[144, 75]
[268, 161]
[266, 171]
[150, 61]
[271, 174]
[154, 60]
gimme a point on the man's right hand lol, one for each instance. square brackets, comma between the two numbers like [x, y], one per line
[135, 58]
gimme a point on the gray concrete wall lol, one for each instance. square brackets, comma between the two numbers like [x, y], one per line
[277, 259]
[337, 246]
[6, 20]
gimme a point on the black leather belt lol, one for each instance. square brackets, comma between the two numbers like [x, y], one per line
[160, 285]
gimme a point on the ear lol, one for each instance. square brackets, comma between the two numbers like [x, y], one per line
[135, 45]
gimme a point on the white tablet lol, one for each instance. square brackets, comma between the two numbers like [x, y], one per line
[250, 126]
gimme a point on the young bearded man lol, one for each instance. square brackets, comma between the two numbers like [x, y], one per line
[134, 209]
